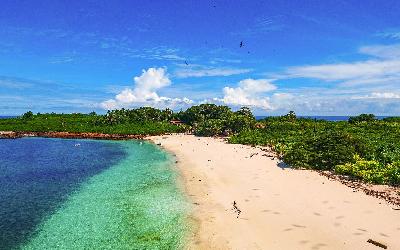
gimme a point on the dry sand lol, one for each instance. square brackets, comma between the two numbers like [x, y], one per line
[281, 208]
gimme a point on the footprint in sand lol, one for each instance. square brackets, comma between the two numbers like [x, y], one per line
[318, 246]
[287, 229]
[339, 217]
[384, 235]
[336, 224]
[298, 226]
[303, 242]
[266, 211]
[317, 214]
[277, 213]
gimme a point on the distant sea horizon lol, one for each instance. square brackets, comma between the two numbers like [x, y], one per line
[322, 117]
[7, 116]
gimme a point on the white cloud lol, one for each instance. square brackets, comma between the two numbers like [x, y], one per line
[14, 83]
[382, 51]
[391, 34]
[157, 53]
[369, 85]
[380, 95]
[201, 71]
[371, 69]
[145, 93]
[384, 68]
[249, 93]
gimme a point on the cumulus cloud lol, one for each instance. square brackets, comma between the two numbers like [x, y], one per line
[249, 93]
[145, 92]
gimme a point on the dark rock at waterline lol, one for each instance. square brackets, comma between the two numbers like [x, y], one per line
[9, 135]
[68, 135]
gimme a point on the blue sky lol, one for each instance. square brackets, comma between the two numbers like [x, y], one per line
[314, 57]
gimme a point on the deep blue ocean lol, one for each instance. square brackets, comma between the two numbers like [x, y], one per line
[37, 175]
[6, 116]
[87, 194]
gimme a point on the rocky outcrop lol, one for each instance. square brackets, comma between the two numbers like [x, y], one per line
[68, 135]
[8, 135]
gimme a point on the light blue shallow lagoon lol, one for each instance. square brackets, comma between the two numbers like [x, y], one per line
[86, 194]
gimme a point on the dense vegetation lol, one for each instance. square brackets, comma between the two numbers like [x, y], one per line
[211, 120]
[142, 121]
[362, 147]
[203, 120]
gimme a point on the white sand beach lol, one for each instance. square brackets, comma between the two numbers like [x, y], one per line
[281, 208]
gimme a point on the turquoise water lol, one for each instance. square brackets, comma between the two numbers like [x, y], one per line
[113, 195]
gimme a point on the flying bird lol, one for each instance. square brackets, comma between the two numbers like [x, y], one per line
[241, 44]
[186, 62]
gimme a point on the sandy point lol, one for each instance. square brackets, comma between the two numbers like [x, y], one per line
[244, 199]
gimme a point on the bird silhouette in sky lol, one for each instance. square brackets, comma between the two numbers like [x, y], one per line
[186, 62]
[241, 44]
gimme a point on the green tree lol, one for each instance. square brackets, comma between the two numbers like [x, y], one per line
[362, 118]
[28, 115]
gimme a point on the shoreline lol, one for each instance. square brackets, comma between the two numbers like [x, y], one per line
[390, 194]
[280, 208]
[244, 198]
[69, 135]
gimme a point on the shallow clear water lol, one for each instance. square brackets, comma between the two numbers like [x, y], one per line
[101, 194]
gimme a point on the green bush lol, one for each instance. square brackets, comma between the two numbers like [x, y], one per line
[323, 151]
[213, 120]
[362, 118]
[392, 119]
[203, 112]
[238, 122]
[210, 127]
[325, 145]
[371, 171]
[393, 173]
